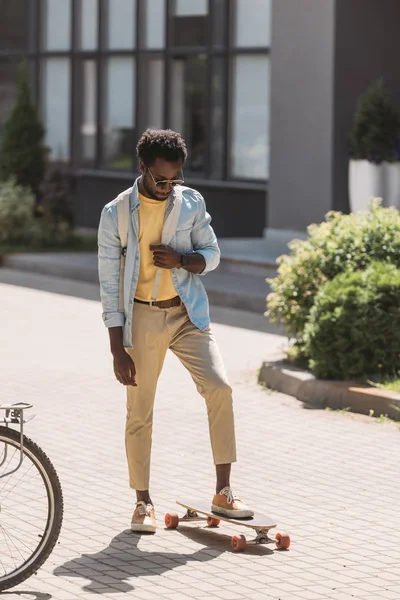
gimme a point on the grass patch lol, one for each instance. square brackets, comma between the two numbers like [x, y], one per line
[76, 243]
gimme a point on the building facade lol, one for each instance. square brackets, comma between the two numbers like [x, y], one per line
[263, 91]
[105, 70]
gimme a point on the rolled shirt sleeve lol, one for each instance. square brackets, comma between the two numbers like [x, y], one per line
[109, 256]
[204, 240]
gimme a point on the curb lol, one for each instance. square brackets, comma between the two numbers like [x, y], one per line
[283, 377]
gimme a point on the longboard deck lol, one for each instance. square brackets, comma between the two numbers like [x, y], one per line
[258, 521]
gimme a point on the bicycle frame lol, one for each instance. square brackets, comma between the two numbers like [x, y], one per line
[14, 414]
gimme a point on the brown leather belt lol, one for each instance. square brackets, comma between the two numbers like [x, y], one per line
[163, 303]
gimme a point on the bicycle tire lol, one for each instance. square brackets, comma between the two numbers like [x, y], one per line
[54, 511]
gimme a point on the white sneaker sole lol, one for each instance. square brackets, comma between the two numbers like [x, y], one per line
[137, 528]
[233, 514]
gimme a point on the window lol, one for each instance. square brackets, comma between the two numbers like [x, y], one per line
[190, 23]
[188, 106]
[155, 24]
[191, 7]
[121, 24]
[250, 118]
[57, 24]
[253, 23]
[8, 75]
[56, 106]
[88, 24]
[13, 33]
[87, 112]
[219, 22]
[218, 97]
[151, 93]
[119, 130]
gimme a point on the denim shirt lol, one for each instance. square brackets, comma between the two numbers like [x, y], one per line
[193, 234]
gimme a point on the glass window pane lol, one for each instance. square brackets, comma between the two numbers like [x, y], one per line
[121, 23]
[219, 22]
[88, 114]
[188, 106]
[13, 25]
[190, 26]
[191, 7]
[250, 127]
[119, 128]
[8, 80]
[56, 106]
[57, 24]
[155, 23]
[218, 118]
[253, 23]
[152, 96]
[89, 24]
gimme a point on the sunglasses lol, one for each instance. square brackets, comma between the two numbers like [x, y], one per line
[164, 182]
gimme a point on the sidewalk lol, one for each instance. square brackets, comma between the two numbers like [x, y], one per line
[239, 282]
[331, 480]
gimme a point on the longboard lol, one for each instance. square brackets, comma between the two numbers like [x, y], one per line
[260, 523]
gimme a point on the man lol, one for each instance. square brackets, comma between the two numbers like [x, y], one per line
[165, 306]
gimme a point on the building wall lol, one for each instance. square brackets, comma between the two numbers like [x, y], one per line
[302, 60]
[236, 211]
[367, 46]
[324, 56]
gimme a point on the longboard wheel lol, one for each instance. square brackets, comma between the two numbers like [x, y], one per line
[282, 541]
[239, 543]
[211, 522]
[171, 520]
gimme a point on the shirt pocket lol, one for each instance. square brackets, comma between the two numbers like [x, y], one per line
[183, 239]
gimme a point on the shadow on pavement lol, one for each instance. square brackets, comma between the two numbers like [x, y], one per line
[26, 594]
[123, 560]
[220, 542]
[90, 291]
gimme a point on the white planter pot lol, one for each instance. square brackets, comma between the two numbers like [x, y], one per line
[367, 179]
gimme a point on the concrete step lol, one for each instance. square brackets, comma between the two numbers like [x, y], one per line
[236, 290]
[236, 283]
[247, 266]
[80, 266]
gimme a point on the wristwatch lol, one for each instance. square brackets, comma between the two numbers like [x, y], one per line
[184, 260]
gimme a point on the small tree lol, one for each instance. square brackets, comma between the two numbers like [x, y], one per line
[22, 153]
[376, 129]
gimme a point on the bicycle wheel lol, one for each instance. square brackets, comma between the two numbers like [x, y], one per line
[31, 508]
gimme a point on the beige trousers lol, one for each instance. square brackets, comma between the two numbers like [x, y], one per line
[154, 331]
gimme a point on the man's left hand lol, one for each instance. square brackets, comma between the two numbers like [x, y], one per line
[165, 257]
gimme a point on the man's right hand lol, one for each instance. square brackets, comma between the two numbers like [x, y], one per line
[124, 368]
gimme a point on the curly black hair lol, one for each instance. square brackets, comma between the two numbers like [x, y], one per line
[161, 143]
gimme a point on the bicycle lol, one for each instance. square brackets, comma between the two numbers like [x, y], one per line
[31, 501]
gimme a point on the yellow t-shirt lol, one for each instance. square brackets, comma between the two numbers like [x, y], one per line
[151, 222]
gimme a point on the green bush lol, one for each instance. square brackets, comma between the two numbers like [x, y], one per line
[341, 243]
[22, 154]
[353, 329]
[55, 194]
[17, 221]
[376, 129]
[19, 225]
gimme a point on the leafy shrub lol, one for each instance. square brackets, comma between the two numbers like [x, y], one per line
[19, 224]
[341, 243]
[17, 221]
[22, 153]
[55, 194]
[353, 329]
[376, 129]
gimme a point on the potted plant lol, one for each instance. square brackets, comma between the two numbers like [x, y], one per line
[374, 168]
